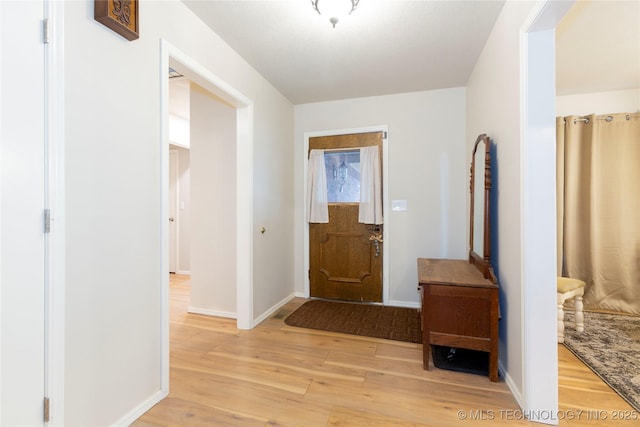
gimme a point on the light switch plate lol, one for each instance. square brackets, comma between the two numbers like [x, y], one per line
[398, 205]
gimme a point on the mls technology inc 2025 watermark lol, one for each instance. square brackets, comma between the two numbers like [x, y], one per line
[570, 414]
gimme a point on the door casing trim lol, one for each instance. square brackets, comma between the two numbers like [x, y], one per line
[170, 54]
[55, 273]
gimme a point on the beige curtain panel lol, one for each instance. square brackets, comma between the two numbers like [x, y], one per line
[598, 180]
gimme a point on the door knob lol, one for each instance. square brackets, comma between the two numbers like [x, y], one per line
[171, 219]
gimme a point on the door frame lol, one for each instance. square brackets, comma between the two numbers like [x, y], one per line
[385, 201]
[169, 54]
[55, 255]
[538, 210]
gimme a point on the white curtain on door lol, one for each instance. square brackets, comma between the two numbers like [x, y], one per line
[370, 211]
[318, 209]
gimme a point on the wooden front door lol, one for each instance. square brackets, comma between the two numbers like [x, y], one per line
[345, 262]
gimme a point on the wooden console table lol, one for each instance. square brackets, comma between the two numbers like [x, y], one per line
[459, 309]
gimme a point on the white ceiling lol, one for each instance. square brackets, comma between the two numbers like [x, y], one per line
[383, 47]
[598, 47]
[395, 46]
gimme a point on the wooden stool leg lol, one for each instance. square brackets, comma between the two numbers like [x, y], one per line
[560, 320]
[577, 305]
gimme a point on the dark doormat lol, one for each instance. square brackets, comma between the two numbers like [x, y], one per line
[460, 359]
[378, 321]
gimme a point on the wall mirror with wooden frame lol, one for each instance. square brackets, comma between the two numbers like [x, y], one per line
[479, 207]
[459, 297]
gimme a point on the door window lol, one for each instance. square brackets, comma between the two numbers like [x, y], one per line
[343, 176]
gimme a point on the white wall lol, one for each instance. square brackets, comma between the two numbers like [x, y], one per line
[427, 167]
[618, 101]
[179, 111]
[504, 100]
[179, 130]
[273, 209]
[113, 200]
[184, 207]
[213, 205]
[493, 108]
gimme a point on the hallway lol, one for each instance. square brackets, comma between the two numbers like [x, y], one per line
[285, 376]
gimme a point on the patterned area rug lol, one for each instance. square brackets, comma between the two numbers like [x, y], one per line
[610, 346]
[377, 321]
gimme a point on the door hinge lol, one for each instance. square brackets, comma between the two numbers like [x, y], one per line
[46, 408]
[47, 221]
[384, 134]
[45, 31]
[309, 274]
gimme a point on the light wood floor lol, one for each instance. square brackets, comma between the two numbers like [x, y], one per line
[276, 375]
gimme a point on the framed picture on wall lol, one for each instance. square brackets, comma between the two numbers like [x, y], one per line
[119, 15]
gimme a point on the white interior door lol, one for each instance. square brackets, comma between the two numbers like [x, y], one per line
[173, 211]
[22, 201]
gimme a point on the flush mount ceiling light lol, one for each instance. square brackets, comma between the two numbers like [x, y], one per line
[334, 8]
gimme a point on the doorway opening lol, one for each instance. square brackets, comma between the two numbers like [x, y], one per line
[171, 57]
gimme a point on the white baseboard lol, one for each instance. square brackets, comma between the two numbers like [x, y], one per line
[404, 304]
[209, 312]
[138, 411]
[511, 384]
[300, 295]
[184, 272]
[273, 309]
[517, 394]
